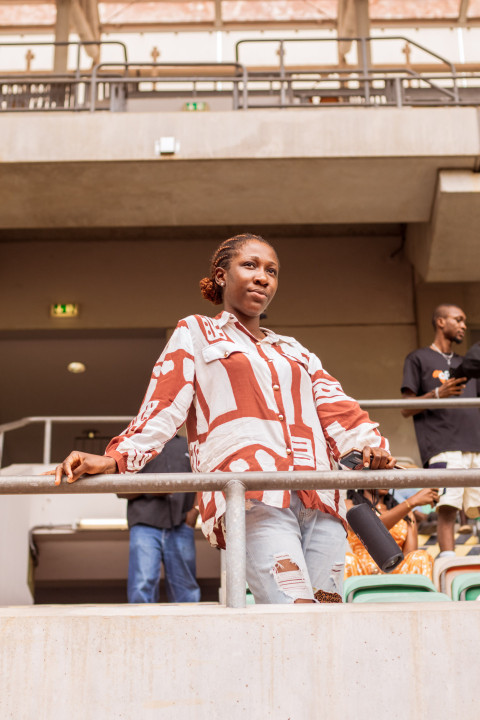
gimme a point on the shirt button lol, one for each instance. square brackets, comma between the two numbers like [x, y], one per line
[226, 354]
[276, 387]
[280, 417]
[289, 452]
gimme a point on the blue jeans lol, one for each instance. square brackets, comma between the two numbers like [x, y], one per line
[310, 539]
[149, 547]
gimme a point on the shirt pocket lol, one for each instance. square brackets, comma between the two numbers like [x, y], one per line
[222, 350]
[295, 355]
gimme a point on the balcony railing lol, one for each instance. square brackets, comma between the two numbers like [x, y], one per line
[111, 85]
[234, 485]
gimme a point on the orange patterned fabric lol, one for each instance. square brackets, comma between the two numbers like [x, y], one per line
[360, 562]
[248, 404]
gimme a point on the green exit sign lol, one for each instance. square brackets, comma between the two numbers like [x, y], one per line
[64, 310]
[196, 105]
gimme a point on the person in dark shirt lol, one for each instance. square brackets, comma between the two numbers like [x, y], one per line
[162, 531]
[446, 438]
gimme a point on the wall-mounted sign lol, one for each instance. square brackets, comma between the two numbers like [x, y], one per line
[198, 105]
[64, 310]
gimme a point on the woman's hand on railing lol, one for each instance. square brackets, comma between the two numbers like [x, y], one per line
[376, 458]
[81, 463]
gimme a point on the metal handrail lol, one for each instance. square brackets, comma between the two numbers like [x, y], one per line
[242, 76]
[48, 422]
[365, 86]
[363, 63]
[359, 39]
[79, 44]
[380, 403]
[234, 485]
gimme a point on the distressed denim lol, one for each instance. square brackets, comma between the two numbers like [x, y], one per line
[314, 541]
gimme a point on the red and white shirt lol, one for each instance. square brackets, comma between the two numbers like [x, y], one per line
[249, 405]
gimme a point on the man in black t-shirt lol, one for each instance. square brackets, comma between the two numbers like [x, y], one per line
[162, 531]
[446, 438]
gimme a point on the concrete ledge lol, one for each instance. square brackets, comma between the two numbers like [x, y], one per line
[327, 133]
[446, 249]
[135, 662]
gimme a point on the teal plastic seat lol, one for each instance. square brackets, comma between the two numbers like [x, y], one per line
[401, 597]
[466, 586]
[249, 599]
[379, 584]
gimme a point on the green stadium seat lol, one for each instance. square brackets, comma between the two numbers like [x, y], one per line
[466, 586]
[356, 586]
[391, 597]
[249, 599]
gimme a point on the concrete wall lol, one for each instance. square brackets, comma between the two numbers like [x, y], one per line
[350, 299]
[394, 661]
[261, 166]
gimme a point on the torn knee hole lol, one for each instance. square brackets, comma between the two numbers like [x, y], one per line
[285, 565]
[290, 579]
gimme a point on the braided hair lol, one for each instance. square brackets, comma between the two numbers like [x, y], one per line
[222, 257]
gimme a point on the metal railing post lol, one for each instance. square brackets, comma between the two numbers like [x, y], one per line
[245, 88]
[93, 89]
[366, 70]
[281, 54]
[398, 92]
[47, 442]
[235, 555]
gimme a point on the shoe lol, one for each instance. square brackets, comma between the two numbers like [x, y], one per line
[325, 597]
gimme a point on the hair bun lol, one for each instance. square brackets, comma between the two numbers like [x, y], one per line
[210, 291]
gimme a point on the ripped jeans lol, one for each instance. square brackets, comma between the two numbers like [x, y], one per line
[313, 541]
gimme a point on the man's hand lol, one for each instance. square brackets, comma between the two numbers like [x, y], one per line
[377, 458]
[78, 463]
[191, 517]
[450, 388]
[454, 386]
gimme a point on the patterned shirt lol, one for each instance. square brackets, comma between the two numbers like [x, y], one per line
[249, 405]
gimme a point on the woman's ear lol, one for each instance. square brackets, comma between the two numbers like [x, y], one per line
[220, 276]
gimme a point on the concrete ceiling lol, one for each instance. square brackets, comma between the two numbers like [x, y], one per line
[89, 17]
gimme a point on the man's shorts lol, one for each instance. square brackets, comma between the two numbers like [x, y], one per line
[458, 497]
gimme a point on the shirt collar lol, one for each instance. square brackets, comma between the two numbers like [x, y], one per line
[271, 337]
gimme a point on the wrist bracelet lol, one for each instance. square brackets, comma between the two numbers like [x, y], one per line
[436, 393]
[409, 507]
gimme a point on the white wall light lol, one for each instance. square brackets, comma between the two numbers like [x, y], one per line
[166, 146]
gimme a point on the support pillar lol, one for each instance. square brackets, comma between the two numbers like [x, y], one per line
[362, 17]
[62, 32]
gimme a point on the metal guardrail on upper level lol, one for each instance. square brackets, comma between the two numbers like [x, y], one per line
[112, 85]
[49, 421]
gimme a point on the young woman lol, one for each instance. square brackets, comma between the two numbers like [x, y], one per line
[399, 519]
[252, 400]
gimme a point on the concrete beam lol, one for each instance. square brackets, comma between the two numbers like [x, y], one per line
[346, 27]
[264, 167]
[362, 16]
[446, 249]
[269, 662]
[463, 11]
